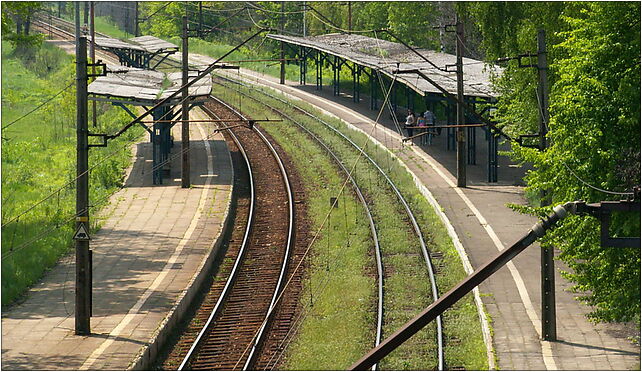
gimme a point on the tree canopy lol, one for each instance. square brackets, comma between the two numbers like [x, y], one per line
[594, 129]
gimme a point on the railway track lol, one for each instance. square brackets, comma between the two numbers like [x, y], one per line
[235, 332]
[424, 251]
[215, 347]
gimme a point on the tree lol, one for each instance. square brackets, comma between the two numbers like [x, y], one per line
[594, 59]
[18, 14]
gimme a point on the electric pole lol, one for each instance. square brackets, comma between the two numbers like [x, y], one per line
[200, 18]
[304, 11]
[549, 326]
[92, 55]
[185, 170]
[461, 144]
[349, 16]
[136, 19]
[282, 75]
[85, 13]
[83, 266]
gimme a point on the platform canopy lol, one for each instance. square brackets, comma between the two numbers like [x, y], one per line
[108, 43]
[386, 56]
[142, 51]
[153, 44]
[145, 87]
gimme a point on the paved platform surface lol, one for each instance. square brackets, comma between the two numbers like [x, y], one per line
[152, 242]
[486, 225]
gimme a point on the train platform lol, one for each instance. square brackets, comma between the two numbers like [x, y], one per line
[484, 225]
[155, 242]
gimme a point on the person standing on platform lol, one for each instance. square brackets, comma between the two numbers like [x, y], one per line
[430, 122]
[421, 122]
[410, 122]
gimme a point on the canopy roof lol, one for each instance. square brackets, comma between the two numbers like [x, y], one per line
[387, 56]
[145, 86]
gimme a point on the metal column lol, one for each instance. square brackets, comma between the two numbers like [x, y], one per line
[336, 69]
[492, 156]
[160, 139]
[83, 266]
[185, 158]
[549, 326]
[319, 65]
[450, 132]
[461, 141]
[471, 139]
[373, 90]
[303, 65]
[356, 74]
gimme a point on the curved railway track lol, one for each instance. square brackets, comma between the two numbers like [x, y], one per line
[224, 341]
[415, 225]
[235, 331]
[371, 223]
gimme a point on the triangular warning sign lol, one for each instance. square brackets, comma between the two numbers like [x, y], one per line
[81, 233]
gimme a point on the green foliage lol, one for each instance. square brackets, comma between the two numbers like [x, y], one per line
[406, 284]
[594, 129]
[18, 14]
[166, 21]
[412, 22]
[38, 158]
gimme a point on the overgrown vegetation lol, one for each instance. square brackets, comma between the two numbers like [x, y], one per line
[38, 160]
[594, 129]
[406, 286]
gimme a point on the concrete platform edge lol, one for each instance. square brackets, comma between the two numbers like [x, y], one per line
[158, 341]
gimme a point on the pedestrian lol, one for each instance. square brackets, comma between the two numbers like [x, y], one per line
[430, 122]
[410, 123]
[421, 122]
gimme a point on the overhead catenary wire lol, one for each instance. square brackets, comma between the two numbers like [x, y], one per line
[101, 161]
[273, 11]
[339, 28]
[594, 187]
[39, 106]
[324, 221]
[362, 153]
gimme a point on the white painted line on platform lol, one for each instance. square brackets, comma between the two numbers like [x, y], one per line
[168, 266]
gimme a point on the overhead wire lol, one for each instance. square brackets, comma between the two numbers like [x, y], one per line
[58, 225]
[339, 28]
[101, 161]
[273, 11]
[39, 106]
[594, 187]
[327, 216]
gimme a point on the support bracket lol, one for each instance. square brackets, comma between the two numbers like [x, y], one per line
[102, 144]
[603, 210]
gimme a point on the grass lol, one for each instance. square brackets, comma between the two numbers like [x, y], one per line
[406, 286]
[38, 158]
[336, 278]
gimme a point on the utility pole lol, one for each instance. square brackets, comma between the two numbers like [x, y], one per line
[83, 265]
[282, 75]
[349, 16]
[136, 19]
[461, 140]
[304, 11]
[92, 55]
[85, 13]
[185, 170]
[200, 18]
[549, 326]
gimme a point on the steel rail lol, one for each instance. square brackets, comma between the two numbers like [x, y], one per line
[261, 334]
[230, 280]
[413, 220]
[363, 201]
